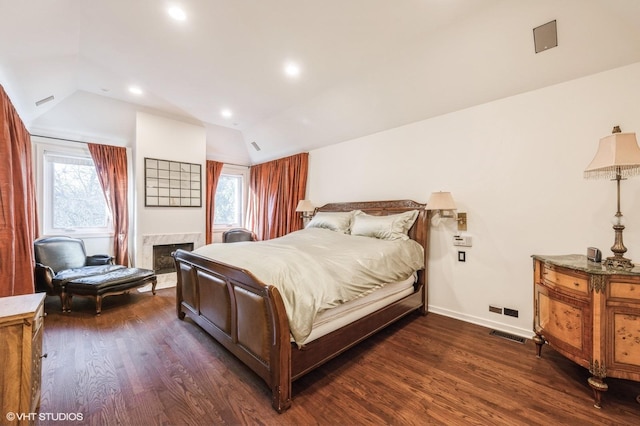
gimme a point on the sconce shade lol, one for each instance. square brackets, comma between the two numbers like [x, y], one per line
[305, 206]
[441, 201]
[617, 153]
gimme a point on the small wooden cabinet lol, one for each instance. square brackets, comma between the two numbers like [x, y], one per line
[590, 315]
[21, 328]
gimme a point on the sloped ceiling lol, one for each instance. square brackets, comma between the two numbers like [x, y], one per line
[366, 65]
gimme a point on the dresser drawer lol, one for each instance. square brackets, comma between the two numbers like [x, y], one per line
[36, 370]
[565, 280]
[624, 290]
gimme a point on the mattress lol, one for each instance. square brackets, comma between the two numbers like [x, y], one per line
[317, 269]
[332, 319]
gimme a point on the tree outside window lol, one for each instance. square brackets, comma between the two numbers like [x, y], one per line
[74, 200]
[228, 201]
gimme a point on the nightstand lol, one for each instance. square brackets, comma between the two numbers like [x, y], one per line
[590, 315]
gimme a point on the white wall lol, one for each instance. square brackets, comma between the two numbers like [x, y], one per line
[516, 167]
[166, 139]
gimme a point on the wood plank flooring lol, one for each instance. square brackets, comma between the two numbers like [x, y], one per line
[137, 364]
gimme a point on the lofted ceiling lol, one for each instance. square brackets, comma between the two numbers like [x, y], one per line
[366, 65]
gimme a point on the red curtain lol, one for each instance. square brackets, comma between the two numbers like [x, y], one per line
[275, 188]
[111, 166]
[18, 215]
[214, 169]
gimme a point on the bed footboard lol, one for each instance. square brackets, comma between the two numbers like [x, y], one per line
[243, 314]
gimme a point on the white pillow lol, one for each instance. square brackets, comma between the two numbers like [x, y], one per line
[335, 221]
[392, 227]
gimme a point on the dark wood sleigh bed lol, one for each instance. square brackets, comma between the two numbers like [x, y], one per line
[248, 316]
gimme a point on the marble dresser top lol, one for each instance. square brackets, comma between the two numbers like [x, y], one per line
[581, 263]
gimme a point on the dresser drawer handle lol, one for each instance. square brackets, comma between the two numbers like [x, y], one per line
[576, 284]
[44, 355]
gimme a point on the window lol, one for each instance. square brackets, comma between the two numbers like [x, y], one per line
[230, 198]
[73, 198]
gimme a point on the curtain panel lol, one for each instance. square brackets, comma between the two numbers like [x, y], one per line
[111, 167]
[214, 169]
[18, 214]
[275, 188]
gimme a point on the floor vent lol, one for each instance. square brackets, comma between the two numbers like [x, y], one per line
[508, 336]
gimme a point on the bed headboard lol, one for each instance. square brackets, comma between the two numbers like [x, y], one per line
[418, 232]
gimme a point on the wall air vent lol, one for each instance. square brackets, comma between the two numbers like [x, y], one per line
[255, 145]
[508, 336]
[545, 36]
[44, 101]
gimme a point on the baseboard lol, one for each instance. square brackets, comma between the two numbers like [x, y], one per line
[494, 325]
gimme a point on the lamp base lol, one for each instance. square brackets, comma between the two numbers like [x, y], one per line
[618, 262]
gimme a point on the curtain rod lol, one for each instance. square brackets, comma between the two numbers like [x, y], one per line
[72, 140]
[232, 164]
[58, 139]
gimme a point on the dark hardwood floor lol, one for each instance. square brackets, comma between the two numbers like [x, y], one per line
[137, 364]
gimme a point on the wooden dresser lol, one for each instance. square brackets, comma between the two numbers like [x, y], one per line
[590, 315]
[21, 328]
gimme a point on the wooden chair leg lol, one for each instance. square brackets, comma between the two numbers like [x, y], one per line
[67, 301]
[98, 305]
[63, 301]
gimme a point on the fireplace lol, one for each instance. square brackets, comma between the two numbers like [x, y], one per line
[170, 278]
[162, 261]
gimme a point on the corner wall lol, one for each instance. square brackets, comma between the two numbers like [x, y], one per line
[516, 167]
[167, 139]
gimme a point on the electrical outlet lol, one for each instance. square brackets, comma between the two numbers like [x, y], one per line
[495, 309]
[511, 312]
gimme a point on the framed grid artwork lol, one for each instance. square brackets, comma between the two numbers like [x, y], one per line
[172, 183]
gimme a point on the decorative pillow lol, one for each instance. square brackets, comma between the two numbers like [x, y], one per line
[335, 221]
[392, 227]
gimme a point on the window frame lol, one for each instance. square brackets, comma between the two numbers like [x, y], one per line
[243, 172]
[44, 181]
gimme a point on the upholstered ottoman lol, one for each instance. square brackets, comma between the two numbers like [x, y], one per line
[117, 281]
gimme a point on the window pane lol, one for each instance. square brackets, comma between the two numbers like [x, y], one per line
[77, 197]
[228, 202]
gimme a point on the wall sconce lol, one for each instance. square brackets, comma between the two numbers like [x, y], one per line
[443, 207]
[617, 158]
[306, 208]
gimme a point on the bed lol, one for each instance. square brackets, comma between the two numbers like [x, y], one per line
[249, 318]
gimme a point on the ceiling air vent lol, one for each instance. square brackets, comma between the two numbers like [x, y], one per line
[255, 145]
[44, 101]
[545, 36]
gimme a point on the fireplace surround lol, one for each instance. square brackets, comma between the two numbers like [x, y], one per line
[168, 279]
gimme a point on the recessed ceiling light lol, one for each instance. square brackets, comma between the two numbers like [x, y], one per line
[177, 13]
[135, 90]
[226, 113]
[292, 69]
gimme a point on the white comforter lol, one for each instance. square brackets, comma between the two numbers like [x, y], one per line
[316, 269]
